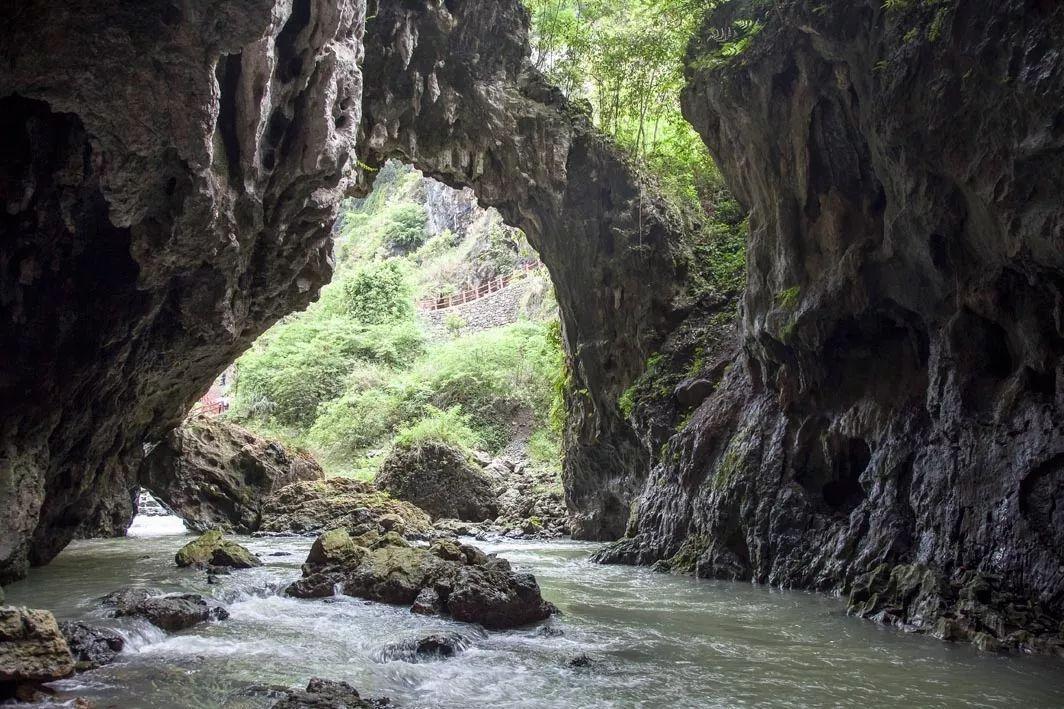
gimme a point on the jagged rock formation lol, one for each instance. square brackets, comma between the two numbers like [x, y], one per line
[900, 397]
[169, 178]
[454, 93]
[440, 480]
[32, 651]
[447, 578]
[302, 508]
[217, 475]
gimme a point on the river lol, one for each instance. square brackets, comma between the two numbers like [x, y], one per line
[655, 640]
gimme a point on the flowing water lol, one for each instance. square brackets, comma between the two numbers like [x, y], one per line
[655, 640]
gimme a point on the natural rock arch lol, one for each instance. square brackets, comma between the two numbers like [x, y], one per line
[171, 173]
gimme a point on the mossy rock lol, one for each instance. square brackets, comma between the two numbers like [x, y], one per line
[212, 549]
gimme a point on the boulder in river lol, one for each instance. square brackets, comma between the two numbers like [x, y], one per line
[215, 474]
[440, 480]
[92, 647]
[427, 648]
[446, 578]
[328, 694]
[170, 612]
[32, 651]
[213, 549]
[340, 502]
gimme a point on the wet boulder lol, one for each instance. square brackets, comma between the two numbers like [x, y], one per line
[212, 549]
[496, 597]
[333, 503]
[440, 480]
[328, 694]
[32, 651]
[445, 578]
[92, 647]
[216, 475]
[169, 612]
[427, 648]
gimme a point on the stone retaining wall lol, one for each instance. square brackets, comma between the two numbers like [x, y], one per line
[500, 308]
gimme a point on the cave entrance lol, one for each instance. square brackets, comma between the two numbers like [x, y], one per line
[830, 469]
[439, 330]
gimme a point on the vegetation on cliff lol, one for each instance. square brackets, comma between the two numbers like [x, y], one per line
[357, 373]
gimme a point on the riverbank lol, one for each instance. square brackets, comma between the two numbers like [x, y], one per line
[652, 639]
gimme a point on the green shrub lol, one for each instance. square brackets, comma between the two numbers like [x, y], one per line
[449, 426]
[302, 365]
[403, 227]
[378, 293]
[545, 448]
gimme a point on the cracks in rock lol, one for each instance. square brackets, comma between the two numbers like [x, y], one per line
[228, 74]
[289, 57]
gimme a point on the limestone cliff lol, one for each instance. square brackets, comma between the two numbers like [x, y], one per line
[453, 92]
[895, 426]
[169, 173]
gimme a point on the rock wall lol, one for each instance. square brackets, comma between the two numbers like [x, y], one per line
[455, 95]
[169, 172]
[894, 428]
[214, 474]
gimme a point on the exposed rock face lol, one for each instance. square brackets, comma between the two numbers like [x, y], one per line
[91, 647]
[170, 612]
[32, 651]
[212, 549]
[328, 694]
[901, 395]
[333, 503]
[440, 480]
[170, 176]
[429, 648]
[447, 577]
[454, 94]
[170, 179]
[216, 475]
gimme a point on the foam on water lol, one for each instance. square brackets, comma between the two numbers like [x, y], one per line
[655, 640]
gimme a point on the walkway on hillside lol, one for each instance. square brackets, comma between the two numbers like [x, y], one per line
[495, 285]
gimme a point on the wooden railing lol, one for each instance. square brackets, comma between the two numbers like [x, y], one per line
[210, 406]
[495, 285]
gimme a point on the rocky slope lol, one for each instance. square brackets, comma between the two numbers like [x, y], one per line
[216, 475]
[893, 427]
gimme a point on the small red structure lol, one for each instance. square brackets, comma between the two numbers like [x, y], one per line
[215, 401]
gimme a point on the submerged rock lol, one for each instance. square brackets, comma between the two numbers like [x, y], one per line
[328, 694]
[215, 474]
[428, 648]
[447, 578]
[32, 651]
[333, 503]
[581, 660]
[440, 480]
[169, 612]
[212, 549]
[92, 647]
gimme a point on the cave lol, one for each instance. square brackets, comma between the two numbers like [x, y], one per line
[880, 389]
